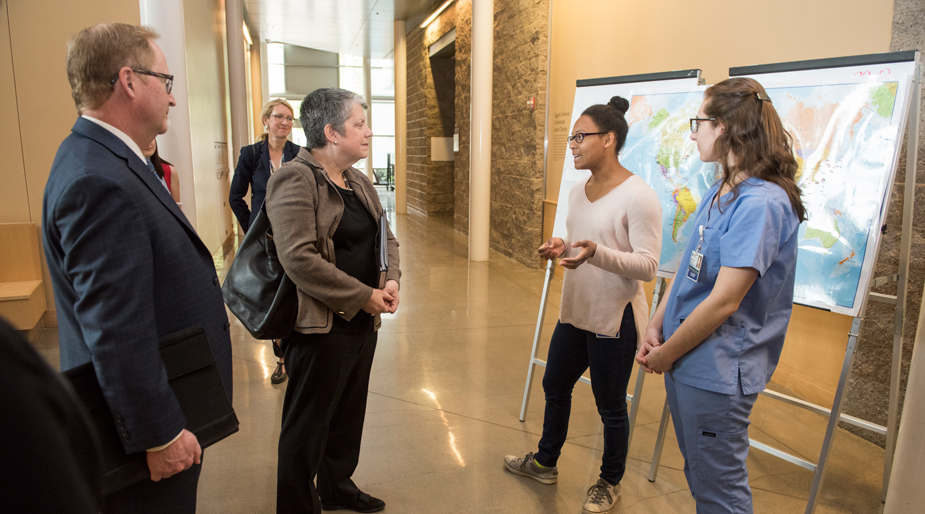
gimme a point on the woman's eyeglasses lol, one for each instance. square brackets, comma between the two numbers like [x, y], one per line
[280, 117]
[580, 137]
[695, 123]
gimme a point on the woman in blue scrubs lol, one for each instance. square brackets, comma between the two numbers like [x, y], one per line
[718, 334]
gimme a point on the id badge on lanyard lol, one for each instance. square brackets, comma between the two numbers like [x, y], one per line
[693, 267]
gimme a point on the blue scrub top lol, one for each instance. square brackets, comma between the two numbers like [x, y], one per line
[759, 230]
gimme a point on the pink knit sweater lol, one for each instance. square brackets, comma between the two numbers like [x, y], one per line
[626, 224]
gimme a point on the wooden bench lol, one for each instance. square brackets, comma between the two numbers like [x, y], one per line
[22, 294]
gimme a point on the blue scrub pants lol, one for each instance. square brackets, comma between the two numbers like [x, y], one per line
[571, 351]
[712, 431]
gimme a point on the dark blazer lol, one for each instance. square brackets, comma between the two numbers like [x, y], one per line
[49, 457]
[127, 268]
[253, 171]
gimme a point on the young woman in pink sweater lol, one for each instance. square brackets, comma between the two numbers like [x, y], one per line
[612, 248]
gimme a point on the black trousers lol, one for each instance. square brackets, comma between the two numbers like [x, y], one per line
[323, 415]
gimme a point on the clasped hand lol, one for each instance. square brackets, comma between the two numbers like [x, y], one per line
[383, 300]
[652, 356]
[555, 248]
[179, 456]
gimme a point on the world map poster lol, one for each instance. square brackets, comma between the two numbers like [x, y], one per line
[845, 139]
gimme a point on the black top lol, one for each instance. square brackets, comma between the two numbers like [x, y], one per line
[355, 254]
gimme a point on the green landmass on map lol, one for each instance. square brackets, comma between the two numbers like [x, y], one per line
[883, 98]
[658, 118]
[669, 157]
[828, 239]
[686, 206]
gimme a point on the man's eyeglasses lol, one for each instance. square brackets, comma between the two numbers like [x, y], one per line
[280, 117]
[695, 123]
[580, 137]
[167, 78]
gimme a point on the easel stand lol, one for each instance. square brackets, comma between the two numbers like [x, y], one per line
[898, 301]
[535, 361]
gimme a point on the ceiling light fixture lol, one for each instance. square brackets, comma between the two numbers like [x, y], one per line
[247, 34]
[436, 13]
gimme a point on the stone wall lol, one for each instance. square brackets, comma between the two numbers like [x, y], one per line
[463, 101]
[431, 113]
[867, 394]
[520, 58]
[520, 47]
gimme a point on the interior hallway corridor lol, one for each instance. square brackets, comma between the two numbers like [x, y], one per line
[444, 400]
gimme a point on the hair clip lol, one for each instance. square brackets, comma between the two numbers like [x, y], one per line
[765, 99]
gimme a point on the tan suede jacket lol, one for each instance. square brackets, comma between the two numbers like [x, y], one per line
[304, 208]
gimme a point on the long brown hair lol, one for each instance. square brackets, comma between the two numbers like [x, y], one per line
[754, 135]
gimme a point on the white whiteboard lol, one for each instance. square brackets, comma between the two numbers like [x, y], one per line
[586, 96]
[838, 287]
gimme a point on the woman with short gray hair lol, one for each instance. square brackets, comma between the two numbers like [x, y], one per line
[326, 219]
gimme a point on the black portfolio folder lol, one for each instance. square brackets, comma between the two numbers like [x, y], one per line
[194, 378]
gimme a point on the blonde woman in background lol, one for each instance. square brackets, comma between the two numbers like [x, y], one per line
[255, 165]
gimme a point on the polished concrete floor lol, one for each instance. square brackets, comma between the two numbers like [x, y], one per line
[445, 397]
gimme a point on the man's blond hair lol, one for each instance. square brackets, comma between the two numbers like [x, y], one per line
[96, 54]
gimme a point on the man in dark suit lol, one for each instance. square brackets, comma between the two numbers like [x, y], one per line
[126, 265]
[43, 421]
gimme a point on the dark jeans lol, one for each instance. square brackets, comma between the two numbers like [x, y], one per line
[571, 351]
[323, 415]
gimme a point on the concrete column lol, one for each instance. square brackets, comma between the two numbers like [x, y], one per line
[237, 77]
[483, 13]
[908, 472]
[265, 75]
[368, 93]
[166, 17]
[400, 57]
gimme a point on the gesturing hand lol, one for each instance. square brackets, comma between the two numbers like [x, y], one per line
[552, 249]
[179, 456]
[379, 302]
[391, 287]
[588, 248]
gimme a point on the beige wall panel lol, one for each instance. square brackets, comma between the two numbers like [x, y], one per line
[39, 32]
[813, 354]
[626, 38]
[256, 98]
[209, 116]
[14, 201]
[603, 38]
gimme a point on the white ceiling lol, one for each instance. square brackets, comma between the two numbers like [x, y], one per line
[356, 27]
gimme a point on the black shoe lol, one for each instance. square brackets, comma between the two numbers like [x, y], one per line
[362, 503]
[278, 376]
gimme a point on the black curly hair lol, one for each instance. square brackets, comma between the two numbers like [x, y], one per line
[610, 118]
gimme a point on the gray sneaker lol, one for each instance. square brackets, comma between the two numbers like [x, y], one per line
[525, 466]
[601, 497]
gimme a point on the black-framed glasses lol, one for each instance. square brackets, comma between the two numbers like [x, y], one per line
[280, 117]
[580, 137]
[695, 123]
[166, 77]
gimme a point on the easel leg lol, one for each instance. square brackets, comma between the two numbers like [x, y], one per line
[536, 339]
[659, 442]
[833, 417]
[640, 374]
